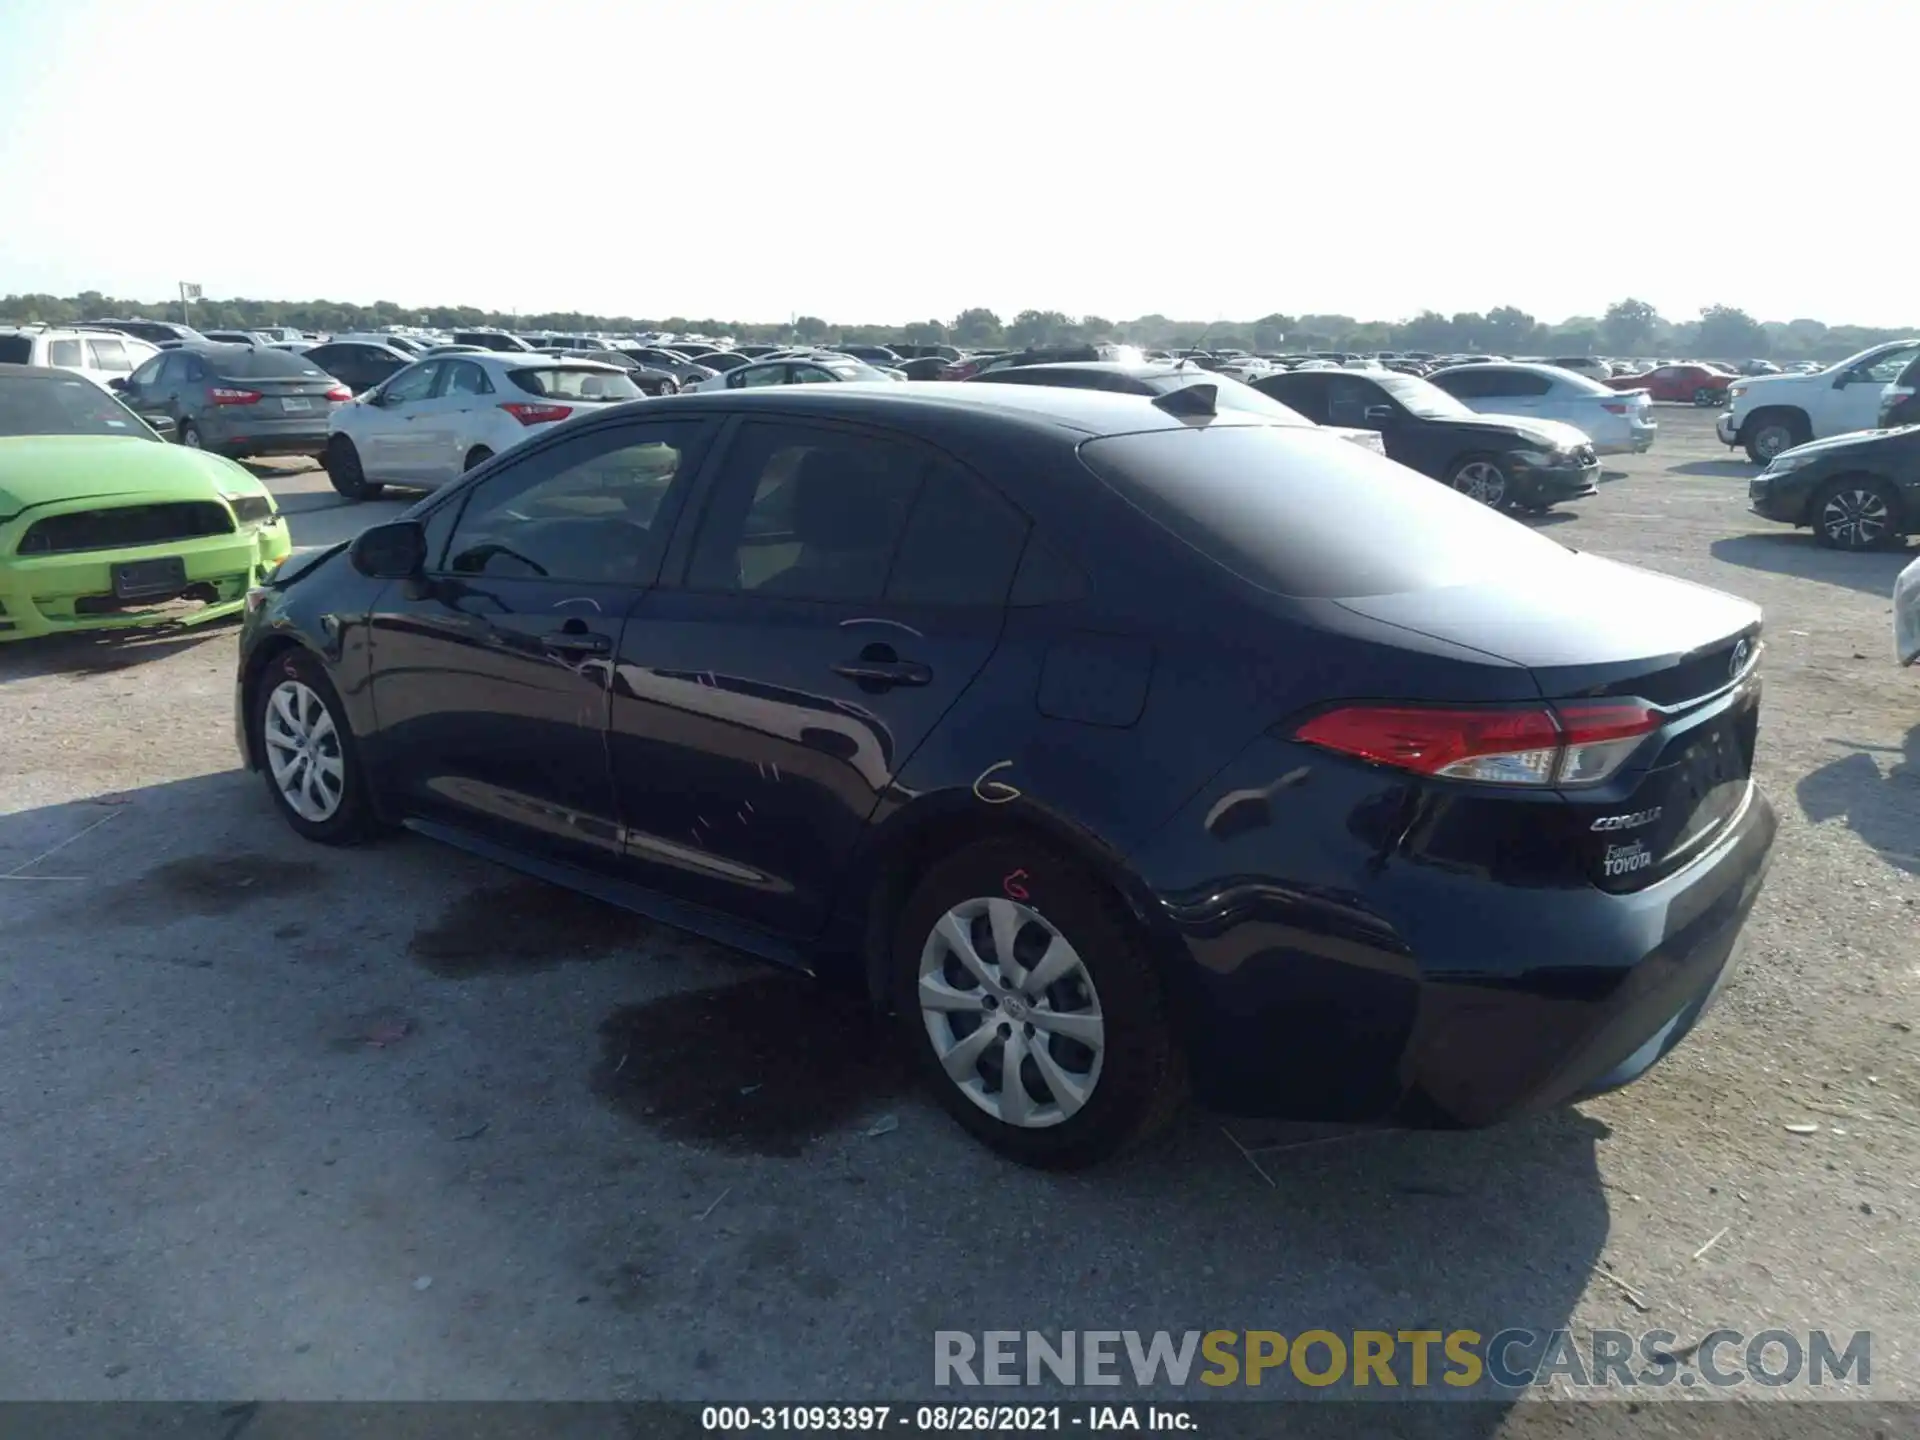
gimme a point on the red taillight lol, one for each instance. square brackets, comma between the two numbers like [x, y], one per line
[1578, 744]
[536, 414]
[1614, 408]
[339, 393]
[222, 395]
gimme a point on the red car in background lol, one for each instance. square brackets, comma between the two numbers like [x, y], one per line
[1689, 384]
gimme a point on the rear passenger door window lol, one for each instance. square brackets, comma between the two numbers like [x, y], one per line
[807, 513]
[65, 355]
[109, 355]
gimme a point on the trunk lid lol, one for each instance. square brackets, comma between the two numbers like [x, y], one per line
[1608, 630]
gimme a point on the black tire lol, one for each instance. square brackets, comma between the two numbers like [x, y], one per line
[189, 435]
[1768, 435]
[1483, 478]
[1706, 397]
[1141, 1079]
[342, 464]
[1856, 512]
[479, 455]
[353, 821]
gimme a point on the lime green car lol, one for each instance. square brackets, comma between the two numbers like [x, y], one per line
[103, 524]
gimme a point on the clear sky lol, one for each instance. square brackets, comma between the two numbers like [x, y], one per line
[897, 161]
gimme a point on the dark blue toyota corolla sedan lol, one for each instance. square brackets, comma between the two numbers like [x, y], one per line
[1116, 745]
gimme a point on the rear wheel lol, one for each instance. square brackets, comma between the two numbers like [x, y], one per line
[343, 469]
[1706, 397]
[1031, 1006]
[190, 435]
[1480, 477]
[479, 455]
[1856, 512]
[1770, 434]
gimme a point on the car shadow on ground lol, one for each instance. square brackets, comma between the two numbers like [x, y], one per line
[94, 652]
[1730, 469]
[1876, 790]
[702, 1182]
[1792, 552]
[1549, 519]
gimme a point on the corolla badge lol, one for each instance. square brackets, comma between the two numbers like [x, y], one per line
[1741, 654]
[1626, 822]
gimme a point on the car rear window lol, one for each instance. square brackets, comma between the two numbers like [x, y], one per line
[575, 382]
[1310, 515]
[16, 350]
[264, 364]
[56, 405]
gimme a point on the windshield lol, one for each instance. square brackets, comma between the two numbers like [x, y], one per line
[563, 382]
[263, 364]
[1253, 500]
[59, 405]
[1421, 397]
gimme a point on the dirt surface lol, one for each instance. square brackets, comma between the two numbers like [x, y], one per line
[293, 1123]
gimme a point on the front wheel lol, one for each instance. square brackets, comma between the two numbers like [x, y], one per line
[1032, 1008]
[343, 468]
[1480, 477]
[1856, 512]
[307, 752]
[1768, 438]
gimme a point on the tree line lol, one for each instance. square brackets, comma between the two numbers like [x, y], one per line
[1628, 327]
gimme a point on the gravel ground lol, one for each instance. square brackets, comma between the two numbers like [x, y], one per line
[293, 1123]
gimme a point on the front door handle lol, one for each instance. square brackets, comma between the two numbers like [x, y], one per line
[879, 668]
[578, 642]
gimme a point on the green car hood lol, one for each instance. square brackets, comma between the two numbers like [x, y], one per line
[42, 469]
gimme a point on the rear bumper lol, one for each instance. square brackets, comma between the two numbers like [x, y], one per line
[1369, 989]
[44, 595]
[236, 433]
[1631, 977]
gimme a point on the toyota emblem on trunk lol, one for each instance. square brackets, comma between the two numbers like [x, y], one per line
[1739, 661]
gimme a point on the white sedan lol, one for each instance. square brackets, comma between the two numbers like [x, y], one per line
[1906, 615]
[1619, 422]
[432, 422]
[795, 370]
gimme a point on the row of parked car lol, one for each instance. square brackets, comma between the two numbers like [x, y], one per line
[411, 409]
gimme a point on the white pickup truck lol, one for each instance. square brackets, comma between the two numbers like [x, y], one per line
[1771, 413]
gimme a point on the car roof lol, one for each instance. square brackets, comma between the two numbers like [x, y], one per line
[51, 372]
[1041, 407]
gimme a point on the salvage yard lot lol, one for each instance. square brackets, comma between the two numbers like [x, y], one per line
[393, 1123]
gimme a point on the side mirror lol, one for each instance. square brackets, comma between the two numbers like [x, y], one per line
[394, 551]
[1379, 414]
[119, 382]
[375, 397]
[161, 425]
[1846, 378]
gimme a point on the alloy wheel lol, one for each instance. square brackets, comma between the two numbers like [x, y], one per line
[190, 436]
[1855, 518]
[1771, 440]
[1011, 1012]
[1481, 480]
[303, 751]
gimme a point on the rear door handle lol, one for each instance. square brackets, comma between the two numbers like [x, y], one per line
[885, 672]
[578, 642]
